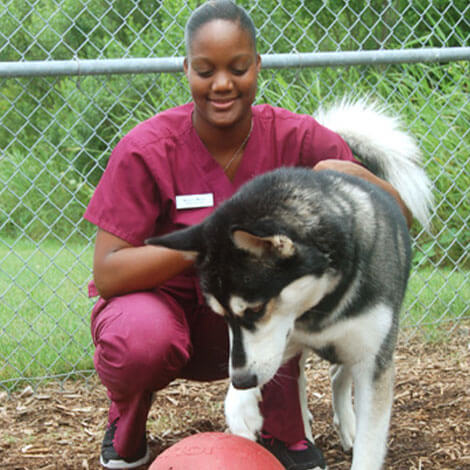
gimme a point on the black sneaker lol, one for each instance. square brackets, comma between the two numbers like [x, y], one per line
[111, 459]
[308, 458]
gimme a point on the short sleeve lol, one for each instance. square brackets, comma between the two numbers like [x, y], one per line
[126, 201]
[321, 143]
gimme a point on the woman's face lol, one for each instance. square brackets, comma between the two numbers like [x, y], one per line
[222, 69]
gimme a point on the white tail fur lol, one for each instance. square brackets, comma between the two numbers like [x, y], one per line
[380, 142]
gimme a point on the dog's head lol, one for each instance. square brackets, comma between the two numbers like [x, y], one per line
[258, 271]
[260, 284]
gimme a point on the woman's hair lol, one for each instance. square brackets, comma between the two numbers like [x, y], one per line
[218, 10]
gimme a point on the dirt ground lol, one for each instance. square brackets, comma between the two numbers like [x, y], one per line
[62, 428]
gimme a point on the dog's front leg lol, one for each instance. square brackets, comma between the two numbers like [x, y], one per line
[242, 412]
[373, 402]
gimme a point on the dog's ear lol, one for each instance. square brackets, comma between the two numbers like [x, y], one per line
[281, 245]
[189, 240]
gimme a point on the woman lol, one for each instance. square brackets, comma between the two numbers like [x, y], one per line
[151, 324]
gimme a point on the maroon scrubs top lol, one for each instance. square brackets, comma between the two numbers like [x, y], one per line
[163, 157]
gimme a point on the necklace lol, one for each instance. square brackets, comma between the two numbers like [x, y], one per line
[239, 149]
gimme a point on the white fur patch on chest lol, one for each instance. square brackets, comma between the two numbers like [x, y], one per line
[353, 338]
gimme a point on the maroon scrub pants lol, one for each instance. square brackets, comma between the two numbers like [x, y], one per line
[145, 340]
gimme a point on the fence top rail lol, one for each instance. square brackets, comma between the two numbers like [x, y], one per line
[81, 67]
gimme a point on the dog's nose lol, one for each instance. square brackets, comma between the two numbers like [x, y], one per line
[242, 380]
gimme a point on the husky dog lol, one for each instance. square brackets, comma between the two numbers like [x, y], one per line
[301, 260]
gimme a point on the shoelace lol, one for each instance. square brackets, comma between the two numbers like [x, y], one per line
[297, 446]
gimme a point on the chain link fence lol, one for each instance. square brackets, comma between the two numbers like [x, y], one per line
[76, 88]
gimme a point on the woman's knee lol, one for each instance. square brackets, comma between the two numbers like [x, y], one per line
[144, 348]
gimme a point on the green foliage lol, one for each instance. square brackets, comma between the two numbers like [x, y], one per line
[433, 102]
[45, 312]
[57, 133]
[436, 299]
[357, 24]
[40, 197]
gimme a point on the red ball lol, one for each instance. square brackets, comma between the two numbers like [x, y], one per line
[216, 451]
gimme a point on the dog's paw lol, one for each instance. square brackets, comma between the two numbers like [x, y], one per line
[242, 412]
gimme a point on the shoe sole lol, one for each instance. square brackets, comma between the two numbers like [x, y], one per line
[121, 464]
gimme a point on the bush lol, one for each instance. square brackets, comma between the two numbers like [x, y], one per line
[57, 133]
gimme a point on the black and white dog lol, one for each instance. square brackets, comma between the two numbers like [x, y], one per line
[300, 260]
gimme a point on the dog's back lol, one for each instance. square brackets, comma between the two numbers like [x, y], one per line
[357, 228]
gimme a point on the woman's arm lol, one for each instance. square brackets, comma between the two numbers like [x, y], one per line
[120, 268]
[361, 172]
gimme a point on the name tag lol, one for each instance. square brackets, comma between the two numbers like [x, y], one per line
[193, 201]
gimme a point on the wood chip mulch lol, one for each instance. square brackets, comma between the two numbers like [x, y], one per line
[61, 426]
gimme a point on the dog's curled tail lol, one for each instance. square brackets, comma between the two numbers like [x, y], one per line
[380, 142]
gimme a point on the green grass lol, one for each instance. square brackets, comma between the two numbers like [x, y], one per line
[436, 300]
[44, 313]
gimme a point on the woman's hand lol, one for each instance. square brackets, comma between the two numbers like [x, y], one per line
[120, 268]
[354, 169]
